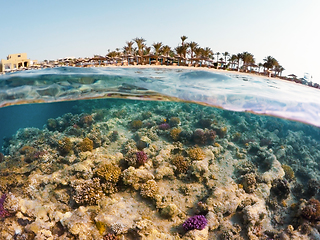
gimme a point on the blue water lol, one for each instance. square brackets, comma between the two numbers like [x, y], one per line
[259, 137]
[226, 90]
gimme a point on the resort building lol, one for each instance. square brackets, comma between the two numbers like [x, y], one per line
[15, 62]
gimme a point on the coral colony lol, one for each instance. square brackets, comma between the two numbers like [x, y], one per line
[3, 212]
[198, 222]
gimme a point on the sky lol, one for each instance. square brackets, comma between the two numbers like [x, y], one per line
[287, 30]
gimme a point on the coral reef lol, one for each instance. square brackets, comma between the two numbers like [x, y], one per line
[120, 170]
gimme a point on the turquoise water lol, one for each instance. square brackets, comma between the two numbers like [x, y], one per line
[208, 143]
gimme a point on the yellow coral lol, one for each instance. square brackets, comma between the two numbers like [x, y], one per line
[289, 173]
[136, 124]
[149, 189]
[196, 153]
[109, 172]
[174, 133]
[65, 145]
[181, 163]
[86, 145]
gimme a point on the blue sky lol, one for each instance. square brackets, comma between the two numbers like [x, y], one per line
[285, 29]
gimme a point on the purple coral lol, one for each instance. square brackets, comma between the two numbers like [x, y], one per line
[198, 222]
[142, 158]
[3, 212]
[164, 126]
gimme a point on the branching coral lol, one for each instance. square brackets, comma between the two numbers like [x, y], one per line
[87, 192]
[110, 175]
[65, 146]
[181, 163]
[312, 210]
[174, 133]
[136, 124]
[136, 159]
[86, 145]
[196, 153]
[149, 189]
[109, 172]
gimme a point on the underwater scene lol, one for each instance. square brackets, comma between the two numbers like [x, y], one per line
[157, 154]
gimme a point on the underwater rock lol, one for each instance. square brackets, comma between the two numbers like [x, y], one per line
[213, 222]
[249, 182]
[280, 189]
[1, 157]
[134, 177]
[197, 234]
[169, 211]
[164, 170]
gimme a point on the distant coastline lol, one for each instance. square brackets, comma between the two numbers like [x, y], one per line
[187, 54]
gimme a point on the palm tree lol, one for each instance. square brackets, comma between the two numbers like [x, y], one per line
[225, 54]
[165, 50]
[206, 53]
[157, 47]
[247, 59]
[239, 57]
[217, 53]
[140, 44]
[193, 46]
[183, 38]
[270, 62]
[260, 66]
[233, 60]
